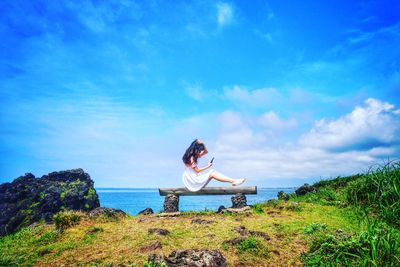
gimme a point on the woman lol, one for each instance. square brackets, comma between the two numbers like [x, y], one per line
[195, 178]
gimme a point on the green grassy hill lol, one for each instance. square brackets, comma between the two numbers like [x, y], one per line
[347, 221]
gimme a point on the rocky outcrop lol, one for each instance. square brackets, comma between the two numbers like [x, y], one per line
[304, 189]
[171, 203]
[190, 257]
[283, 196]
[29, 199]
[221, 209]
[108, 213]
[151, 247]
[239, 201]
[245, 232]
[158, 231]
[146, 211]
[201, 221]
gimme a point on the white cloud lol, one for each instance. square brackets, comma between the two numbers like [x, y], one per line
[258, 97]
[236, 133]
[272, 121]
[224, 14]
[374, 124]
[347, 145]
[119, 145]
[198, 93]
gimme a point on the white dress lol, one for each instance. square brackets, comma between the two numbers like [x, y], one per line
[195, 181]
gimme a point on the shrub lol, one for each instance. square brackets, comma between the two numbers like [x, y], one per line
[294, 206]
[377, 245]
[324, 196]
[272, 203]
[152, 264]
[337, 183]
[254, 246]
[258, 208]
[314, 227]
[379, 191]
[94, 229]
[66, 219]
[47, 238]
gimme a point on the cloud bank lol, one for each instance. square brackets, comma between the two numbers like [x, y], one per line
[250, 146]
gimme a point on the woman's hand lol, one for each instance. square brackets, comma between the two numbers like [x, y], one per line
[198, 170]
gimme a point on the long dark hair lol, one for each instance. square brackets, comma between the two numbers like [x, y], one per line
[192, 151]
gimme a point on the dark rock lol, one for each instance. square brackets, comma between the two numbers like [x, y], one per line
[28, 199]
[304, 189]
[234, 241]
[294, 206]
[44, 251]
[195, 258]
[151, 247]
[142, 219]
[221, 208]
[201, 221]
[171, 203]
[276, 252]
[283, 196]
[244, 232]
[158, 231]
[241, 230]
[156, 259]
[239, 201]
[260, 234]
[146, 211]
[108, 213]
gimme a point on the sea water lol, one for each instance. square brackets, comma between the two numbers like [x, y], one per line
[133, 200]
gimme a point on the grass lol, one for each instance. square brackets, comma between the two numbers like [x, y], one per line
[374, 199]
[378, 192]
[376, 245]
[347, 221]
[92, 241]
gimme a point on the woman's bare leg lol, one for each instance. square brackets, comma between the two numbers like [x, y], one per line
[220, 177]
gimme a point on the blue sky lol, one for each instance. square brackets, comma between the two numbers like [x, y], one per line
[281, 93]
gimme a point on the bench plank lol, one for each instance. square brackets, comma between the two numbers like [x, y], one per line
[247, 190]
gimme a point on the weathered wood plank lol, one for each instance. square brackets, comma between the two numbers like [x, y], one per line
[247, 190]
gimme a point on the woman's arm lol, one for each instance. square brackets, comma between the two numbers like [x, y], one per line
[197, 169]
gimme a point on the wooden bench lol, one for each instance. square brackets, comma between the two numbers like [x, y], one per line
[171, 202]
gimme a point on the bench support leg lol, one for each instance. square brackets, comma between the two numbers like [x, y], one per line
[171, 203]
[239, 201]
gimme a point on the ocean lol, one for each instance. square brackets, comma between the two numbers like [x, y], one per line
[133, 200]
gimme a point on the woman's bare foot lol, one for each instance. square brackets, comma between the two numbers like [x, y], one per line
[239, 181]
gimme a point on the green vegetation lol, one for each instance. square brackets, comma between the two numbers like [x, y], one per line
[258, 208]
[347, 221]
[254, 246]
[374, 198]
[150, 264]
[314, 227]
[323, 196]
[68, 188]
[378, 192]
[66, 219]
[377, 245]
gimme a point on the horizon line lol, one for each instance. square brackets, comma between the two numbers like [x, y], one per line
[158, 187]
